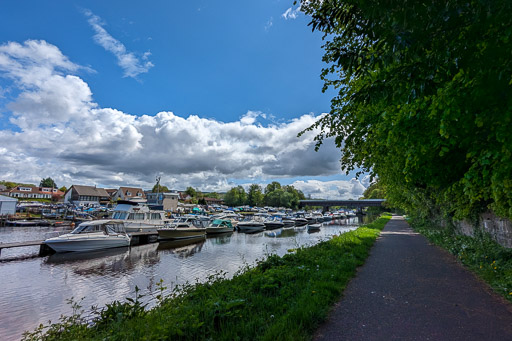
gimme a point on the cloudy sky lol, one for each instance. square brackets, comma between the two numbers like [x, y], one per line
[202, 94]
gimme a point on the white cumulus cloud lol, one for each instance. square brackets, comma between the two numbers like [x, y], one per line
[128, 61]
[61, 132]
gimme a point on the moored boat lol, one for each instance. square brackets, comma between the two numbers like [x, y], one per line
[314, 225]
[138, 217]
[92, 235]
[251, 224]
[219, 226]
[183, 228]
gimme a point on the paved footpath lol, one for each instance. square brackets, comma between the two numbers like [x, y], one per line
[409, 289]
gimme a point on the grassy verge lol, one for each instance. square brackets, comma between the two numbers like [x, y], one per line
[489, 260]
[281, 298]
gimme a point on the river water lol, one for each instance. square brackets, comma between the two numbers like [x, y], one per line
[37, 289]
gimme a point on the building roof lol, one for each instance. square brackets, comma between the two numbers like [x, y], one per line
[5, 198]
[133, 191]
[37, 190]
[111, 192]
[90, 191]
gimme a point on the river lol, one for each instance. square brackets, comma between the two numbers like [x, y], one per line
[37, 289]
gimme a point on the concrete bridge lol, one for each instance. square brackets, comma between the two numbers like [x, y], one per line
[327, 204]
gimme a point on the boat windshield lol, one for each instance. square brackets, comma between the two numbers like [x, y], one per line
[108, 228]
[220, 223]
[82, 229]
[216, 223]
[119, 215]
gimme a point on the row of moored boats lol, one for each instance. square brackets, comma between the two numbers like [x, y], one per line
[130, 218]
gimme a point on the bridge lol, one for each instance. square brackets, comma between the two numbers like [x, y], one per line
[359, 204]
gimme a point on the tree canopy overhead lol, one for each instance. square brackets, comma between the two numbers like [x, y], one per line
[424, 98]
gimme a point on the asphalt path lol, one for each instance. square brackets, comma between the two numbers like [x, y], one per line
[409, 289]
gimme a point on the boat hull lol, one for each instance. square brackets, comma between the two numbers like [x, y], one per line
[87, 244]
[180, 233]
[250, 228]
[314, 227]
[216, 230]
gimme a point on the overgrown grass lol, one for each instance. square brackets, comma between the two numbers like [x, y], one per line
[281, 298]
[489, 260]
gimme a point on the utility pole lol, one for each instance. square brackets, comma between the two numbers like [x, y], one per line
[157, 190]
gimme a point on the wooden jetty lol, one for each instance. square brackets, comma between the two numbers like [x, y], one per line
[138, 238]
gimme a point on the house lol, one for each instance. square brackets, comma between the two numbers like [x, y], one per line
[168, 200]
[130, 193]
[33, 192]
[86, 196]
[7, 205]
[111, 192]
[185, 197]
[213, 201]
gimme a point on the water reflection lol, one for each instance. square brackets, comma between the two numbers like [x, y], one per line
[182, 248]
[113, 262]
[220, 238]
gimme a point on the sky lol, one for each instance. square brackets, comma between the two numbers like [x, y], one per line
[199, 93]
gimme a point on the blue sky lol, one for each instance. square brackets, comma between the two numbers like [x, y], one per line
[203, 94]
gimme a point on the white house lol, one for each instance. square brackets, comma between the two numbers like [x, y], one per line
[86, 196]
[130, 193]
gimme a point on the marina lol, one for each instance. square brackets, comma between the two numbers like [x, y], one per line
[99, 277]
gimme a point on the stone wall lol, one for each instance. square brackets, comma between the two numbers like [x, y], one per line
[499, 228]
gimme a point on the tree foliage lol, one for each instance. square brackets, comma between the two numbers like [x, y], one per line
[48, 182]
[255, 195]
[375, 191]
[159, 189]
[424, 98]
[275, 195]
[191, 191]
[236, 196]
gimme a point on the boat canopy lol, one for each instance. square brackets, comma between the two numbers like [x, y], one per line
[105, 226]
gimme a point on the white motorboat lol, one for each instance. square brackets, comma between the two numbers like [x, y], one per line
[91, 235]
[219, 226]
[138, 217]
[300, 219]
[273, 222]
[251, 224]
[314, 225]
[183, 228]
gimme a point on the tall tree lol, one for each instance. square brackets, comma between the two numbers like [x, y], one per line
[191, 191]
[48, 182]
[236, 196]
[255, 195]
[424, 98]
[274, 185]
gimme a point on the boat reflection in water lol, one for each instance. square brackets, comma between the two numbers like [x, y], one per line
[220, 238]
[282, 233]
[110, 262]
[183, 248]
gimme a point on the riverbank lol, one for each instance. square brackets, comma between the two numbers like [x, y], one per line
[280, 298]
[481, 254]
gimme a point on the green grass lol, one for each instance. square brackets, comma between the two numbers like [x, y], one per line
[489, 260]
[281, 298]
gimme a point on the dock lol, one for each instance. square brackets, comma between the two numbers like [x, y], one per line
[138, 238]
